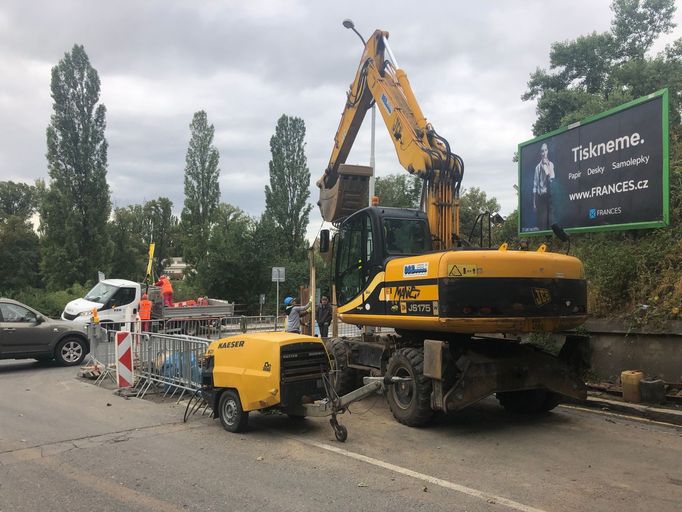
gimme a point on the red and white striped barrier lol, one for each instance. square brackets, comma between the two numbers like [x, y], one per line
[124, 359]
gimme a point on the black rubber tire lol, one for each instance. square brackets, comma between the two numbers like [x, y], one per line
[409, 402]
[71, 351]
[344, 378]
[232, 416]
[529, 401]
[341, 433]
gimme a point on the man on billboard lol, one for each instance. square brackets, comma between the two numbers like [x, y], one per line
[542, 189]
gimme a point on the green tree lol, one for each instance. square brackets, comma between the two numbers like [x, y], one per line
[19, 253]
[474, 201]
[227, 271]
[129, 255]
[400, 190]
[161, 223]
[76, 206]
[202, 190]
[602, 70]
[287, 195]
[17, 200]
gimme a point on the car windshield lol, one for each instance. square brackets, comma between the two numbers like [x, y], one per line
[101, 293]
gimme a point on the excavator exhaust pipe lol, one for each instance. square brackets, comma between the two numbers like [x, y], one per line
[349, 194]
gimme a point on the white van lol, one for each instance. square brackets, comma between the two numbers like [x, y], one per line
[116, 300]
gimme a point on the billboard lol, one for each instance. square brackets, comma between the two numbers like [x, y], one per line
[607, 172]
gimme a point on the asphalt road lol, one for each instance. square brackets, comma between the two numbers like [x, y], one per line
[68, 445]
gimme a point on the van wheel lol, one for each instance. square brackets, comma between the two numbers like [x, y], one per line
[71, 351]
[232, 416]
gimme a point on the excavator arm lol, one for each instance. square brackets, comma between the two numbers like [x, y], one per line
[421, 151]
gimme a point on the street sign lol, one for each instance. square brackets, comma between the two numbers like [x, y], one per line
[262, 299]
[278, 274]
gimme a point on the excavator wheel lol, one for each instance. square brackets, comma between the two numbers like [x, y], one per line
[344, 378]
[529, 401]
[410, 401]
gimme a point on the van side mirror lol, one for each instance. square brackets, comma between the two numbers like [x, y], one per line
[324, 241]
[40, 319]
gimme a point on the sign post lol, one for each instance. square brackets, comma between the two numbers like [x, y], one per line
[261, 301]
[278, 275]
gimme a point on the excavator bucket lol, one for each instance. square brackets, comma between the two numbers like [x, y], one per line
[348, 195]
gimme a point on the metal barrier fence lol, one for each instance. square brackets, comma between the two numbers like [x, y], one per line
[171, 363]
[167, 354]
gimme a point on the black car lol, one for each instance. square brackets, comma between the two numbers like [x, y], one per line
[26, 333]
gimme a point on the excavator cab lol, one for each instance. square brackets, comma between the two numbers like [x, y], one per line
[371, 237]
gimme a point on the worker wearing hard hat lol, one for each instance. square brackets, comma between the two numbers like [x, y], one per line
[294, 313]
[166, 290]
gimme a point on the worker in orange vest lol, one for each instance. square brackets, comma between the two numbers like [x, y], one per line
[166, 290]
[145, 312]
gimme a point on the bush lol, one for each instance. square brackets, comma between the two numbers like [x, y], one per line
[50, 303]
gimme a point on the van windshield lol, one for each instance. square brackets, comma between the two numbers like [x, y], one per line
[101, 293]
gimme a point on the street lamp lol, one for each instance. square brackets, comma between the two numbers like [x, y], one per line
[350, 25]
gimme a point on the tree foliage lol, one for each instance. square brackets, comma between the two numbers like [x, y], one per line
[129, 256]
[287, 195]
[76, 206]
[474, 202]
[19, 255]
[602, 70]
[400, 190]
[160, 227]
[17, 200]
[202, 190]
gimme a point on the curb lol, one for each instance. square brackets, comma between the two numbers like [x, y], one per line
[643, 411]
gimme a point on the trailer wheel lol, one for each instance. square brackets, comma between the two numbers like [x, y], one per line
[528, 401]
[410, 401]
[232, 416]
[343, 378]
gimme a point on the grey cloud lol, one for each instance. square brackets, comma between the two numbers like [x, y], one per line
[247, 63]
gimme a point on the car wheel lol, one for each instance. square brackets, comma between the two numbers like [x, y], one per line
[232, 416]
[71, 351]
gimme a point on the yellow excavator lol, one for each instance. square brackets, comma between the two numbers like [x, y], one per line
[457, 312]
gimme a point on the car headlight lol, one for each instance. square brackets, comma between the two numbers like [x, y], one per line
[85, 313]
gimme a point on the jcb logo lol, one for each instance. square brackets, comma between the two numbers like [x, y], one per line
[541, 296]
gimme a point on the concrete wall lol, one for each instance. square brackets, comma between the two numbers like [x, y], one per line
[615, 347]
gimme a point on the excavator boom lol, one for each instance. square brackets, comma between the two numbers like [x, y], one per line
[420, 149]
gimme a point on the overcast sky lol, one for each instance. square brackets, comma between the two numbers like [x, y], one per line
[248, 62]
